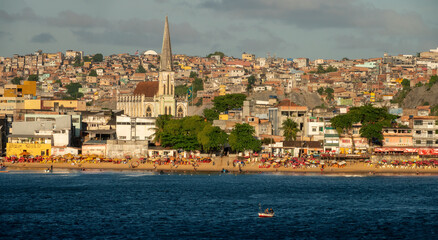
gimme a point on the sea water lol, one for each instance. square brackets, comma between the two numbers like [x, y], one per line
[143, 205]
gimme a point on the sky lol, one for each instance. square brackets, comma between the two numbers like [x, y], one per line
[327, 29]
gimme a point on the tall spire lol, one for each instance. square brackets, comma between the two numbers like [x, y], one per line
[166, 50]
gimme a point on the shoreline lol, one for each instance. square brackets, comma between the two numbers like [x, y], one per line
[351, 169]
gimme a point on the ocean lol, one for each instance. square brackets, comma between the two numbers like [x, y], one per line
[145, 205]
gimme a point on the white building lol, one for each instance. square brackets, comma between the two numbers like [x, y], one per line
[135, 128]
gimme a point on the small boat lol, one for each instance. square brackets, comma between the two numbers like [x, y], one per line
[48, 171]
[266, 215]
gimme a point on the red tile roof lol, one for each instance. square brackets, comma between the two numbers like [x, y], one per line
[148, 89]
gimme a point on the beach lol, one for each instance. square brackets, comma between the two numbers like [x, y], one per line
[227, 164]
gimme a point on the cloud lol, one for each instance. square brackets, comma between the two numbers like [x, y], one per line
[318, 14]
[43, 38]
[72, 19]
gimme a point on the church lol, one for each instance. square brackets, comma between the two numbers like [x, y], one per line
[155, 98]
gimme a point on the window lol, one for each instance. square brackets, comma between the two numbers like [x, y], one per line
[436, 141]
[418, 122]
[429, 132]
[313, 129]
[180, 112]
[321, 129]
[148, 112]
[418, 132]
[122, 137]
[418, 141]
[429, 142]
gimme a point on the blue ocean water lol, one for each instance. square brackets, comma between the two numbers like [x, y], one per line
[143, 205]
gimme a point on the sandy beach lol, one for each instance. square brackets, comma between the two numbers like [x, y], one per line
[351, 168]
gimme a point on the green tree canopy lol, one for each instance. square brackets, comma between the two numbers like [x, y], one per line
[73, 90]
[181, 90]
[290, 129]
[251, 82]
[212, 138]
[33, 77]
[216, 53]
[183, 133]
[16, 80]
[211, 114]
[372, 119]
[160, 124]
[406, 84]
[77, 62]
[242, 139]
[87, 59]
[98, 57]
[228, 102]
[320, 90]
[93, 73]
[140, 69]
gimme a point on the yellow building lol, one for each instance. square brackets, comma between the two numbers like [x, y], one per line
[248, 57]
[32, 104]
[28, 88]
[74, 104]
[223, 117]
[222, 90]
[34, 149]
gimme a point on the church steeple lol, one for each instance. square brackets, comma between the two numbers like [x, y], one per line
[166, 50]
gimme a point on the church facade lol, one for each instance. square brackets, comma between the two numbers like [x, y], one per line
[155, 98]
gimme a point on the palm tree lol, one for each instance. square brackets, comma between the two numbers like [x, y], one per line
[290, 129]
[160, 124]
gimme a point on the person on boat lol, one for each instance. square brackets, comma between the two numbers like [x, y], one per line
[267, 210]
[271, 211]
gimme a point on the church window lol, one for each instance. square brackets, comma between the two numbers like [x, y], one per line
[170, 110]
[148, 112]
[180, 112]
[171, 90]
[164, 90]
[165, 110]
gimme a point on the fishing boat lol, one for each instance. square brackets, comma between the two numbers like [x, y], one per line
[268, 213]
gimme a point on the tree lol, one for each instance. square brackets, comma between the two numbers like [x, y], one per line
[228, 102]
[406, 84]
[160, 123]
[320, 69]
[198, 84]
[77, 62]
[33, 77]
[372, 119]
[433, 79]
[242, 139]
[93, 73]
[181, 90]
[211, 114]
[87, 59]
[16, 80]
[73, 90]
[320, 90]
[251, 82]
[290, 129]
[212, 138]
[221, 54]
[193, 75]
[140, 69]
[329, 92]
[266, 141]
[98, 57]
[182, 133]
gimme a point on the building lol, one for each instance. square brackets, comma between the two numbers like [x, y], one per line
[425, 131]
[135, 128]
[155, 98]
[38, 137]
[397, 137]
